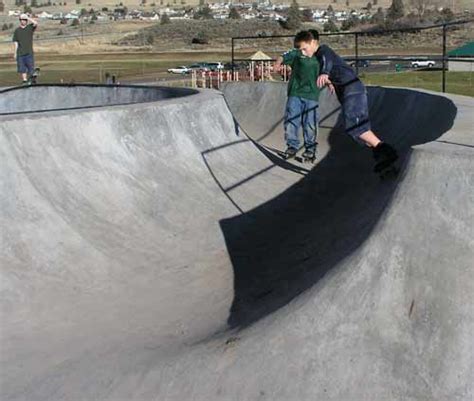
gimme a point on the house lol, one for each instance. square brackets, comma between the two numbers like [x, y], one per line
[462, 58]
[45, 15]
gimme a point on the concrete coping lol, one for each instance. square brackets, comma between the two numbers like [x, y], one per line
[59, 97]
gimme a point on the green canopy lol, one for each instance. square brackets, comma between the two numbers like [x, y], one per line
[464, 51]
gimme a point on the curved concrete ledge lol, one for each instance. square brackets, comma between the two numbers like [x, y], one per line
[45, 97]
[153, 252]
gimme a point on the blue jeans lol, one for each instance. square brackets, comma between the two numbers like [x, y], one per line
[301, 112]
[355, 108]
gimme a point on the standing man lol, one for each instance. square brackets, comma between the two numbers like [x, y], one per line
[23, 47]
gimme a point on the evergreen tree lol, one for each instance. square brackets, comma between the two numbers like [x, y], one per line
[233, 13]
[165, 19]
[330, 26]
[396, 10]
[378, 17]
[294, 16]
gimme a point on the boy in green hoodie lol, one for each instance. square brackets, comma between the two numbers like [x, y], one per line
[303, 95]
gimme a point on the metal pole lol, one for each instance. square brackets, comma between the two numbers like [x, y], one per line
[444, 59]
[232, 62]
[357, 53]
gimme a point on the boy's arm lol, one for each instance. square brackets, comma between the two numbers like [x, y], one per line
[326, 63]
[286, 58]
[15, 49]
[33, 22]
[15, 45]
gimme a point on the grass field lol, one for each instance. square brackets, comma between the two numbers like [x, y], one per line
[460, 83]
[136, 67]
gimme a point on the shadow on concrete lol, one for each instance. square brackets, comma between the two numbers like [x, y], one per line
[285, 246]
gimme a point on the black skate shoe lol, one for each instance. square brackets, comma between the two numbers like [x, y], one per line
[309, 155]
[385, 156]
[290, 152]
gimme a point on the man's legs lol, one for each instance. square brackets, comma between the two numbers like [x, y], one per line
[310, 124]
[21, 68]
[357, 121]
[30, 65]
[25, 65]
[292, 123]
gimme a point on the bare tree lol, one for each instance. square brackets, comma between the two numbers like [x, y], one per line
[420, 6]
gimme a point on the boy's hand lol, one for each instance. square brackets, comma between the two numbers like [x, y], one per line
[331, 88]
[278, 64]
[323, 80]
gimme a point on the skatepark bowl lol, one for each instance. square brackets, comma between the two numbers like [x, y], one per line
[154, 246]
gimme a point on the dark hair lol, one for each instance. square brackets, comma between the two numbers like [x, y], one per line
[303, 36]
[314, 33]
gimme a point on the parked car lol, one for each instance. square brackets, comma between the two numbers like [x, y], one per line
[237, 66]
[422, 63]
[215, 66]
[199, 67]
[360, 63]
[179, 70]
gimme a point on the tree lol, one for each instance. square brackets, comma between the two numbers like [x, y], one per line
[27, 9]
[375, 2]
[34, 3]
[396, 10]
[447, 15]
[203, 13]
[330, 9]
[75, 22]
[347, 3]
[369, 6]
[2, 7]
[5, 26]
[330, 26]
[78, 1]
[165, 19]
[307, 15]
[378, 17]
[293, 21]
[233, 13]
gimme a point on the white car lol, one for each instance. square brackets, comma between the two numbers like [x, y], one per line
[422, 63]
[179, 70]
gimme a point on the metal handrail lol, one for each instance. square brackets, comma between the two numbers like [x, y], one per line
[357, 34]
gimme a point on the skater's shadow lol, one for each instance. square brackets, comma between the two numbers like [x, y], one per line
[285, 246]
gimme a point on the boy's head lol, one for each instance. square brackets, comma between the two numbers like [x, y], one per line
[306, 42]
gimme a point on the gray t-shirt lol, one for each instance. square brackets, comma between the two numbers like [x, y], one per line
[24, 37]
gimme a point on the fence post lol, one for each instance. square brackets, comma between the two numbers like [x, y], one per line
[357, 53]
[443, 89]
[232, 62]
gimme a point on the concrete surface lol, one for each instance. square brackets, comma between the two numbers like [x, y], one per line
[151, 251]
[46, 97]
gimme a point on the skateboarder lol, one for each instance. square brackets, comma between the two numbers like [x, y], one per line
[23, 48]
[303, 95]
[352, 95]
